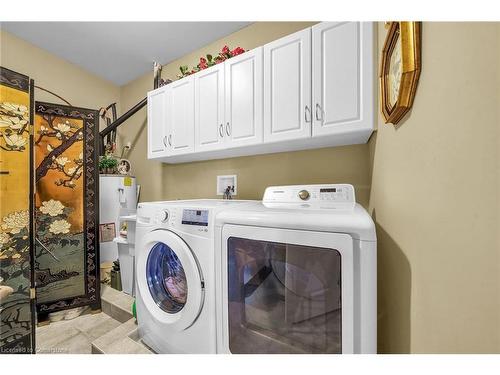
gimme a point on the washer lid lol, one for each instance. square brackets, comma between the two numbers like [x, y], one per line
[170, 280]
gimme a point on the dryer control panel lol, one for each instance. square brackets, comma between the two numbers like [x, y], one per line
[332, 193]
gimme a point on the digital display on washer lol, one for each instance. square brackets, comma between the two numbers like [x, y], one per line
[329, 190]
[195, 217]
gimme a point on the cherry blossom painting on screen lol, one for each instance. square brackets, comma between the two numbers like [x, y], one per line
[59, 207]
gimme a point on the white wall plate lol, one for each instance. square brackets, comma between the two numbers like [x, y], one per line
[228, 180]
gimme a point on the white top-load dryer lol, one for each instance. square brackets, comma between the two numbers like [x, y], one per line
[175, 273]
[297, 273]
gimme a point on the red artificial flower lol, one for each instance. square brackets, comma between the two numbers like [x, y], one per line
[202, 60]
[237, 51]
[225, 49]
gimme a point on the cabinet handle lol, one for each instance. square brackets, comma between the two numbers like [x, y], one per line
[308, 110]
[228, 129]
[319, 110]
[165, 141]
[170, 139]
[221, 131]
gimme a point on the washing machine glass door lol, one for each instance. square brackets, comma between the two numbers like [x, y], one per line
[170, 279]
[166, 278]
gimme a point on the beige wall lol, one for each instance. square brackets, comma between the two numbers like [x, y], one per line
[77, 86]
[439, 283]
[432, 184]
[255, 173]
[435, 199]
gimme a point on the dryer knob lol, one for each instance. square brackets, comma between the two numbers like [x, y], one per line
[304, 195]
[165, 216]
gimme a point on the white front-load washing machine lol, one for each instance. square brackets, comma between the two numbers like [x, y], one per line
[175, 268]
[297, 273]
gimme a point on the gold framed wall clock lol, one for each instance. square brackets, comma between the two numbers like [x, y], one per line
[399, 69]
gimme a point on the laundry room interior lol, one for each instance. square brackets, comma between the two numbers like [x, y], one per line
[412, 198]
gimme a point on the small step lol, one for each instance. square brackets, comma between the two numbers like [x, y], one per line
[116, 304]
[124, 339]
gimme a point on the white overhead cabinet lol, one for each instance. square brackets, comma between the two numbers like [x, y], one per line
[244, 99]
[157, 123]
[181, 116]
[287, 88]
[228, 103]
[342, 79]
[209, 109]
[310, 89]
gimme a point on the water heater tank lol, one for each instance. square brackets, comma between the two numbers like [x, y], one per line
[117, 197]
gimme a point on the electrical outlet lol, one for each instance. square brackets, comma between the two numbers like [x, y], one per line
[224, 181]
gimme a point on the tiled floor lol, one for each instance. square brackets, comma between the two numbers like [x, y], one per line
[74, 336]
[112, 331]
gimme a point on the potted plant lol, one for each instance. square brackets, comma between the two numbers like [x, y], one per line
[108, 165]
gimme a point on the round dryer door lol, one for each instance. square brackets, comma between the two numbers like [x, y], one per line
[169, 279]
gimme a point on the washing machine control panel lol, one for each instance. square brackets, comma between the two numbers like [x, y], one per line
[333, 193]
[195, 217]
[190, 220]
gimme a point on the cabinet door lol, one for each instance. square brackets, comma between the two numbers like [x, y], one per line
[244, 98]
[287, 87]
[157, 123]
[342, 77]
[209, 108]
[181, 116]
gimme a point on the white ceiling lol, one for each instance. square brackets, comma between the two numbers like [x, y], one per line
[120, 51]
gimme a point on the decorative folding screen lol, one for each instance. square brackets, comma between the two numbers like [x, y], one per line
[16, 301]
[66, 210]
[62, 219]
